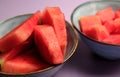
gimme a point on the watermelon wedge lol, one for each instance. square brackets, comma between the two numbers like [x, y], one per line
[19, 34]
[47, 44]
[19, 49]
[24, 63]
[54, 17]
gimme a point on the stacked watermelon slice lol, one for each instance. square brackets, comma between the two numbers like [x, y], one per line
[104, 26]
[33, 46]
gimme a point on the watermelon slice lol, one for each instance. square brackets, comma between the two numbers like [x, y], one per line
[112, 39]
[88, 21]
[47, 44]
[19, 34]
[15, 51]
[106, 14]
[54, 17]
[19, 49]
[97, 32]
[24, 63]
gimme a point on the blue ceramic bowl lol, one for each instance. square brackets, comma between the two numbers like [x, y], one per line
[72, 37]
[105, 50]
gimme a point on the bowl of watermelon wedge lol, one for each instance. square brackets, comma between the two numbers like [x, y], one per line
[36, 44]
[98, 25]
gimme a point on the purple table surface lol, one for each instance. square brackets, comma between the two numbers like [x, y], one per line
[84, 63]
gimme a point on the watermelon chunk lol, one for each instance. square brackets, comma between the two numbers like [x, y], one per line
[110, 26]
[54, 17]
[112, 39]
[97, 32]
[117, 13]
[24, 63]
[19, 34]
[47, 44]
[108, 30]
[88, 21]
[106, 14]
[117, 25]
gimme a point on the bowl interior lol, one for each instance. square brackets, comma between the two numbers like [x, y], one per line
[90, 8]
[72, 37]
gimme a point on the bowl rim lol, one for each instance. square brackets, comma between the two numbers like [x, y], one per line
[52, 66]
[79, 31]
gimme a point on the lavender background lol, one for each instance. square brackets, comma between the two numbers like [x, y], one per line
[84, 63]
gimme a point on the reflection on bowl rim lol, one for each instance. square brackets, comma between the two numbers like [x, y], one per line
[51, 67]
[79, 31]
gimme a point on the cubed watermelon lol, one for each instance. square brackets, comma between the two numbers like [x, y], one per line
[107, 31]
[117, 13]
[47, 44]
[24, 63]
[106, 14]
[97, 32]
[117, 25]
[19, 34]
[112, 39]
[88, 21]
[53, 16]
[110, 26]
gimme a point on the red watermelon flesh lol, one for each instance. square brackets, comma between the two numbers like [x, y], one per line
[25, 63]
[117, 25]
[106, 14]
[110, 26]
[54, 17]
[19, 49]
[112, 39]
[88, 21]
[117, 13]
[97, 32]
[47, 44]
[108, 32]
[19, 34]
